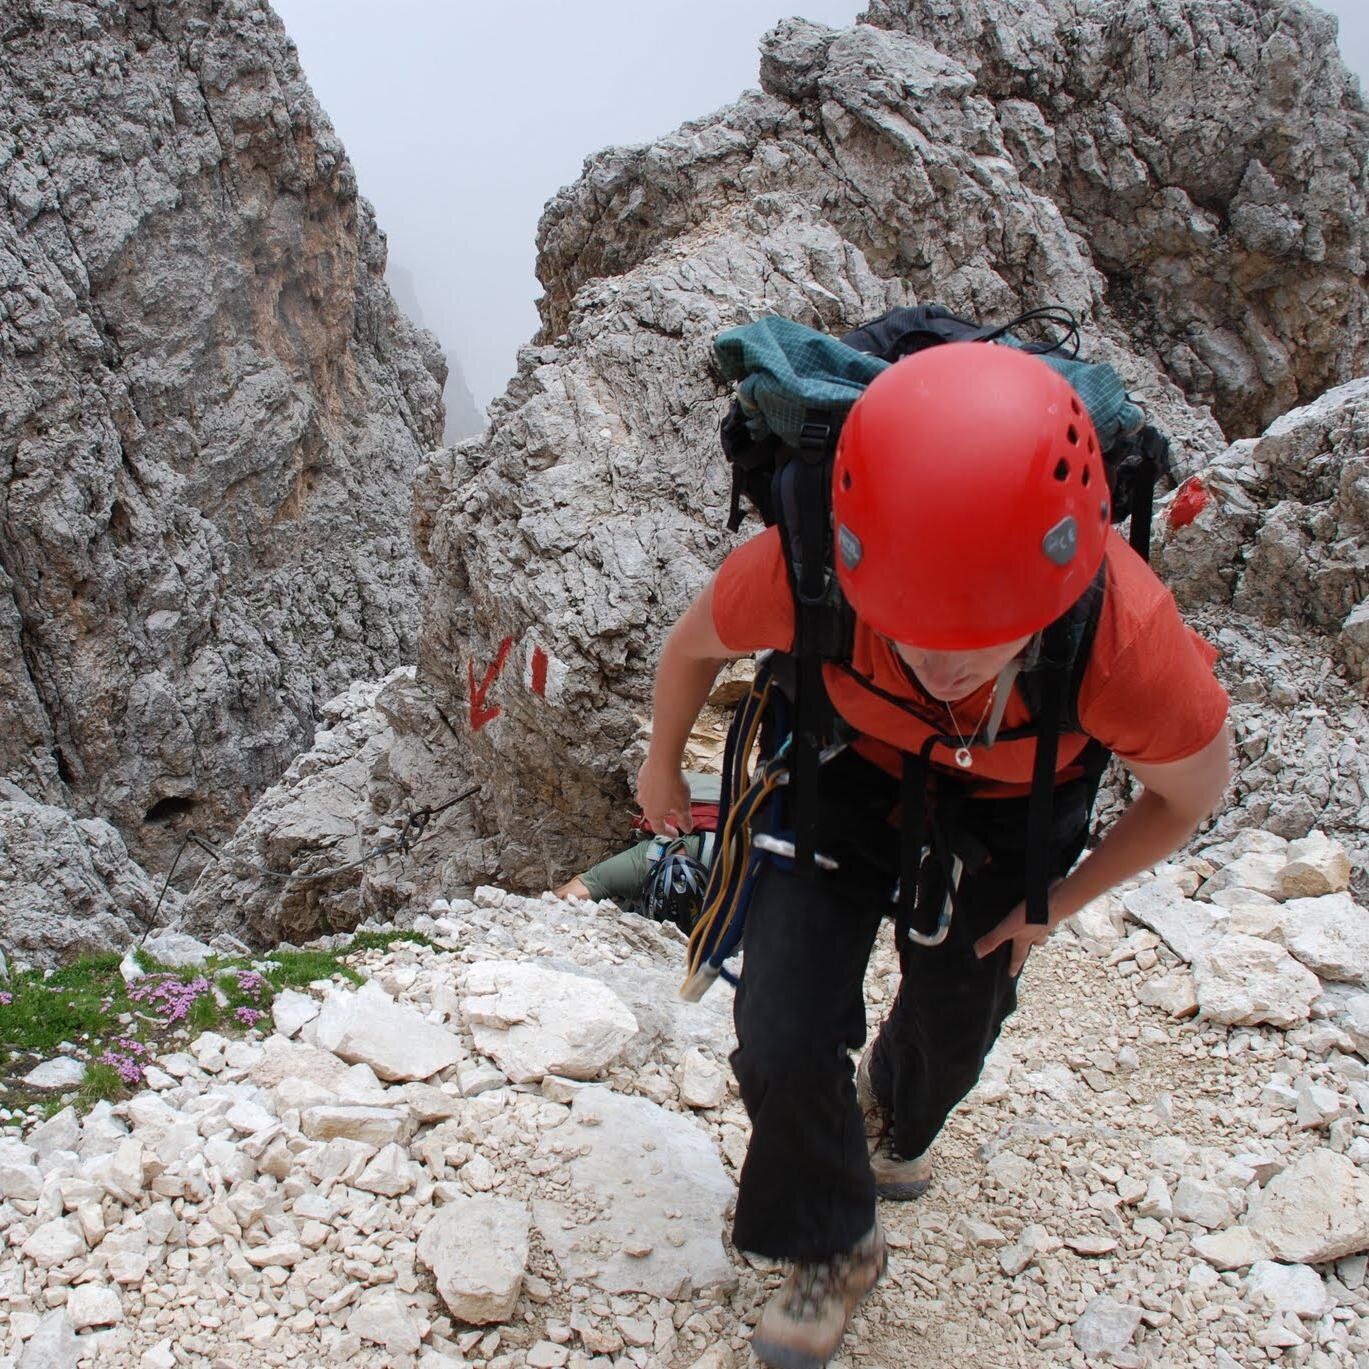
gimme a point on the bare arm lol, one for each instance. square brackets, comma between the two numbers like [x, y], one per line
[1175, 799]
[690, 661]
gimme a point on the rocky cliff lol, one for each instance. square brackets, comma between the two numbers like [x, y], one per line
[1188, 179]
[210, 415]
[1210, 154]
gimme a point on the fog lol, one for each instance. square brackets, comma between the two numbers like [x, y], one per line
[462, 119]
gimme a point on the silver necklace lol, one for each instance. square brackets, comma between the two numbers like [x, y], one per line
[964, 757]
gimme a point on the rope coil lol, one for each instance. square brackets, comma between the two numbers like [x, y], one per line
[733, 856]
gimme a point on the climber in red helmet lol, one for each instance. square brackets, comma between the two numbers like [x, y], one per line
[971, 516]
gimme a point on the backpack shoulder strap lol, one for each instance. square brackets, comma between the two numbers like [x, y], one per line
[823, 623]
[1067, 643]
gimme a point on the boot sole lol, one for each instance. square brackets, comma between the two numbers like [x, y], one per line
[785, 1356]
[903, 1193]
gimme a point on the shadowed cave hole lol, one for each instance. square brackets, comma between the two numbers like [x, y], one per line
[165, 810]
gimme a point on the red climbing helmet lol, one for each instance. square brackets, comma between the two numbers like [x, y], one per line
[969, 498]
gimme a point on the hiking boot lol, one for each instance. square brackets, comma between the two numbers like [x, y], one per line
[895, 1178]
[803, 1324]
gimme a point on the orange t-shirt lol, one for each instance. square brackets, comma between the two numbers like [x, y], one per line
[1148, 692]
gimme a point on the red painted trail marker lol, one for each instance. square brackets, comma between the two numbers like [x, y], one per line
[1188, 503]
[480, 712]
[539, 672]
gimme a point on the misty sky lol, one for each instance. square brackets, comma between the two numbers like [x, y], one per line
[463, 118]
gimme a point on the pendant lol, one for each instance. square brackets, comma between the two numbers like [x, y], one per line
[963, 758]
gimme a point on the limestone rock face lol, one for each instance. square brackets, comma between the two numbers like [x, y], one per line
[67, 885]
[870, 172]
[1273, 570]
[878, 166]
[1216, 153]
[355, 791]
[1283, 534]
[210, 410]
[983, 154]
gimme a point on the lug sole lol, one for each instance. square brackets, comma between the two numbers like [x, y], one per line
[785, 1356]
[903, 1193]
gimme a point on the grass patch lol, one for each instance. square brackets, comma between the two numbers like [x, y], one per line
[101, 1082]
[76, 1003]
[297, 969]
[115, 1026]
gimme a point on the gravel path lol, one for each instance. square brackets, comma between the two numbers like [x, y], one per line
[516, 1147]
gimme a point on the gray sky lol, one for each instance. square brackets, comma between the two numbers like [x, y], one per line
[463, 117]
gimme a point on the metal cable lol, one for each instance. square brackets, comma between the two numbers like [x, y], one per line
[415, 825]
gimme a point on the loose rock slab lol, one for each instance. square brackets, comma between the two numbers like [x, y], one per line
[533, 1021]
[58, 1073]
[53, 1345]
[1244, 980]
[1174, 993]
[1316, 865]
[177, 949]
[703, 1082]
[396, 1041]
[1316, 1210]
[1287, 1288]
[384, 1319]
[1187, 926]
[1258, 870]
[1330, 935]
[1106, 1327]
[662, 1191]
[477, 1249]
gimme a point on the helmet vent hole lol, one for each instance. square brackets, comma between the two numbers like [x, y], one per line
[846, 480]
[1074, 404]
[1103, 511]
[1093, 446]
[1087, 476]
[1073, 434]
[1062, 469]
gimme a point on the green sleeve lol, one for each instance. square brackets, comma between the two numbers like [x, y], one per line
[619, 877]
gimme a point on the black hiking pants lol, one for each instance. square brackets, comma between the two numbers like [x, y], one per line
[806, 1189]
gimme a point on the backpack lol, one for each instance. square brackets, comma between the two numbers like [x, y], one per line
[705, 797]
[794, 388]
